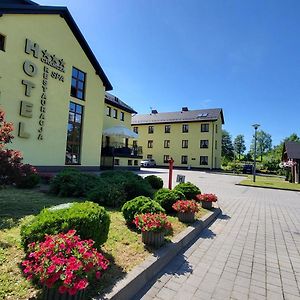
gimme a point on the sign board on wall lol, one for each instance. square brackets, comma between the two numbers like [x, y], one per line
[31, 70]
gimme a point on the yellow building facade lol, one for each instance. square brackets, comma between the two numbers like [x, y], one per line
[51, 87]
[193, 138]
[118, 148]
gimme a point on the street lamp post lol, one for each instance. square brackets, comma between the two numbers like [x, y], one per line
[254, 168]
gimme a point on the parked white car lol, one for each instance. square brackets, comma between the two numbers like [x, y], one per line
[148, 163]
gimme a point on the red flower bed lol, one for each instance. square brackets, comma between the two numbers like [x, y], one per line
[152, 222]
[207, 197]
[65, 262]
[185, 206]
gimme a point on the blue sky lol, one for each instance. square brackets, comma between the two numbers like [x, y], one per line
[242, 56]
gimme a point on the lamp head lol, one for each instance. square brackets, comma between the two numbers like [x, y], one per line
[255, 126]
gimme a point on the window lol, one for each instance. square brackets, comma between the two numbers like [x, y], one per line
[136, 129]
[184, 159]
[78, 84]
[134, 144]
[167, 128]
[122, 116]
[150, 144]
[185, 144]
[203, 143]
[204, 127]
[185, 128]
[204, 160]
[2, 42]
[108, 111]
[74, 134]
[166, 158]
[150, 129]
[149, 156]
[136, 162]
[216, 128]
[115, 113]
[117, 161]
[216, 145]
[129, 162]
[166, 143]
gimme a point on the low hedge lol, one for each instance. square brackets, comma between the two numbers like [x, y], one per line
[108, 194]
[140, 205]
[155, 181]
[72, 183]
[90, 221]
[132, 184]
[166, 198]
[188, 189]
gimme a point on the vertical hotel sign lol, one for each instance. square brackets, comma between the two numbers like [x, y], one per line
[31, 70]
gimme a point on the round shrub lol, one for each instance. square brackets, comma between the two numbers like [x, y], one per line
[140, 205]
[72, 183]
[166, 198]
[108, 194]
[188, 189]
[155, 181]
[90, 221]
[133, 184]
[26, 177]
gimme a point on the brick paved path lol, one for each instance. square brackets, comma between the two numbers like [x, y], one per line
[251, 252]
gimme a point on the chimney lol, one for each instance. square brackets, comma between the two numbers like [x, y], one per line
[154, 111]
[184, 108]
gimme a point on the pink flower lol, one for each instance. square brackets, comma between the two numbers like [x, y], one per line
[62, 289]
[51, 269]
[64, 260]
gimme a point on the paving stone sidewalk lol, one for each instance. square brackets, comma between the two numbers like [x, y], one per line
[251, 252]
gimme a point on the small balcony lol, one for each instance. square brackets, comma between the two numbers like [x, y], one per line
[122, 150]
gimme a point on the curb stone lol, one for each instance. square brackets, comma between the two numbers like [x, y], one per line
[135, 280]
[267, 187]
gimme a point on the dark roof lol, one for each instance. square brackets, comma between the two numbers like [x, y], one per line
[29, 7]
[292, 150]
[115, 101]
[201, 115]
[17, 2]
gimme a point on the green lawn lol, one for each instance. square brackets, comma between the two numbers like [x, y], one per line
[123, 248]
[273, 182]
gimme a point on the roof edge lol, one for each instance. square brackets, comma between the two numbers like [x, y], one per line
[63, 12]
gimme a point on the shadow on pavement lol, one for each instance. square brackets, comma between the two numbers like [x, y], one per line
[207, 234]
[177, 267]
[224, 217]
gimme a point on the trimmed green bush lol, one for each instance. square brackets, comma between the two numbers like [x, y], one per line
[90, 221]
[26, 177]
[188, 189]
[133, 184]
[108, 194]
[155, 181]
[140, 205]
[72, 183]
[166, 198]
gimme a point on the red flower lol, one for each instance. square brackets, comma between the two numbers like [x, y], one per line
[185, 206]
[152, 222]
[51, 269]
[64, 261]
[206, 197]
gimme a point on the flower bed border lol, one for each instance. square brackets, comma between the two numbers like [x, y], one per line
[135, 280]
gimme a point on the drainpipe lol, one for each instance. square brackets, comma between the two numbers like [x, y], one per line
[213, 145]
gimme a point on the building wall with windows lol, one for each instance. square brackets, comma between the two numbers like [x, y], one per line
[49, 87]
[118, 151]
[190, 141]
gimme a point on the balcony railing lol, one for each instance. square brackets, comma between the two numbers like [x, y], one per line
[120, 149]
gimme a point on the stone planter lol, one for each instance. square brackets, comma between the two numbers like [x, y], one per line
[206, 204]
[53, 294]
[186, 217]
[152, 238]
